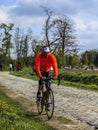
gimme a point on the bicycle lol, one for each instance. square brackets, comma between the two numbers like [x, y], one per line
[47, 98]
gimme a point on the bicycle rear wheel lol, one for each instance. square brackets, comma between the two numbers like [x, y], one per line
[50, 104]
[39, 106]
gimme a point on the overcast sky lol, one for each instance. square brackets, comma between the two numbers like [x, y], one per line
[28, 13]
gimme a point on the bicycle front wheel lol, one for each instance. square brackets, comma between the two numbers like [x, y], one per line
[39, 106]
[50, 104]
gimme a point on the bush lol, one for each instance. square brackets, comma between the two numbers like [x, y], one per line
[79, 77]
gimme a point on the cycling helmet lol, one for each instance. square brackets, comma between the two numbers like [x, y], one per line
[45, 49]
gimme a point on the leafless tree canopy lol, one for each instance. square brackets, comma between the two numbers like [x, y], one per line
[59, 33]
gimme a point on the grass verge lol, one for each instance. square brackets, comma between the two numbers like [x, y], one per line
[14, 117]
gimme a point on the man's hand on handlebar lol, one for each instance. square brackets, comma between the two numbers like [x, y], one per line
[53, 77]
[43, 78]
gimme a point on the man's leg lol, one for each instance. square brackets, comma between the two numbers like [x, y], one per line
[40, 89]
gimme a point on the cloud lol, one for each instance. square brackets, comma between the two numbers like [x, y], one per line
[28, 13]
[4, 16]
[26, 10]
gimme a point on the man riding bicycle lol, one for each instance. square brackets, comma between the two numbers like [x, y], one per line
[44, 61]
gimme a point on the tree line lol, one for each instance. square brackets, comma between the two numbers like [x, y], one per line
[58, 33]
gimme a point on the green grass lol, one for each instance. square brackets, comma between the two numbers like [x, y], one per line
[12, 115]
[91, 87]
[28, 73]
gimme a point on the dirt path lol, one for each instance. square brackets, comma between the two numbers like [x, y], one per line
[80, 106]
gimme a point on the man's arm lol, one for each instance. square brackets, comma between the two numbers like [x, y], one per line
[37, 65]
[55, 66]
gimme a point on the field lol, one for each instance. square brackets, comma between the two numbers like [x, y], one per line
[59, 121]
[88, 71]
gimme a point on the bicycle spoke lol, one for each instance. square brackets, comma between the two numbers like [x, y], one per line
[50, 105]
[39, 106]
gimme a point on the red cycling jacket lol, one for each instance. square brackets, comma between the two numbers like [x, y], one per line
[44, 64]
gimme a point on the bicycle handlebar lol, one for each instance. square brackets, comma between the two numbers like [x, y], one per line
[53, 78]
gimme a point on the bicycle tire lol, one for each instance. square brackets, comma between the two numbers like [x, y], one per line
[50, 102]
[40, 103]
[39, 106]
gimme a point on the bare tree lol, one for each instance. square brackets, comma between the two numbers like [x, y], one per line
[47, 26]
[21, 43]
[65, 32]
[26, 46]
[17, 39]
[59, 33]
[48, 29]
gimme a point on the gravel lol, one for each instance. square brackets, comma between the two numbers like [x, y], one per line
[76, 103]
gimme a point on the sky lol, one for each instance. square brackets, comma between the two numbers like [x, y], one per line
[29, 14]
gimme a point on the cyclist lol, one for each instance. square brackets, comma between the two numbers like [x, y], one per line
[44, 60]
